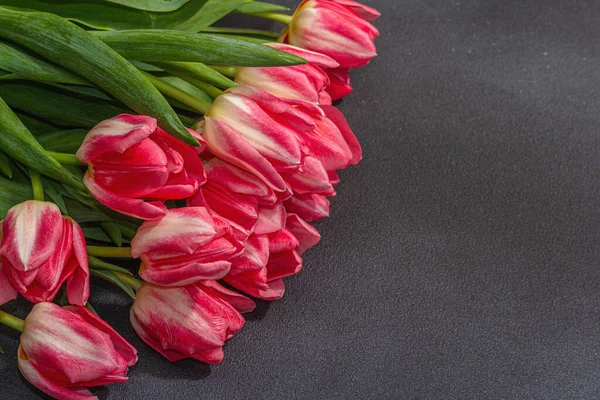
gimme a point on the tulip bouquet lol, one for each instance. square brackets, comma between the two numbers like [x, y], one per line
[137, 129]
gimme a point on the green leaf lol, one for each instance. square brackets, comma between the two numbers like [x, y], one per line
[259, 6]
[6, 166]
[187, 87]
[113, 231]
[198, 71]
[97, 263]
[75, 49]
[63, 141]
[19, 144]
[152, 5]
[102, 14]
[31, 67]
[211, 12]
[95, 233]
[164, 45]
[55, 191]
[114, 279]
[58, 105]
[11, 194]
[35, 126]
[83, 214]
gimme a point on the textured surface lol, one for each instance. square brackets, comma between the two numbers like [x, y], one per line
[461, 257]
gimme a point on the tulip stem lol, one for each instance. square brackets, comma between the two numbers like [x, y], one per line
[66, 159]
[273, 16]
[227, 71]
[36, 184]
[109, 252]
[178, 94]
[11, 321]
[130, 280]
[240, 31]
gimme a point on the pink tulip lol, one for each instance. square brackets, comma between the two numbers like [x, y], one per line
[65, 350]
[308, 82]
[192, 321]
[271, 253]
[134, 166]
[339, 83]
[186, 245]
[310, 207]
[337, 28]
[234, 194]
[40, 250]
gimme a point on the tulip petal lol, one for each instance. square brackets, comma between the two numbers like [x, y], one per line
[339, 84]
[78, 285]
[311, 56]
[281, 265]
[7, 292]
[187, 274]
[123, 347]
[181, 229]
[116, 135]
[239, 302]
[254, 257]
[137, 208]
[310, 207]
[307, 235]
[368, 13]
[282, 240]
[340, 121]
[31, 231]
[34, 374]
[226, 143]
[270, 219]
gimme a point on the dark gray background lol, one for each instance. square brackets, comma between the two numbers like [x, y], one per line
[461, 257]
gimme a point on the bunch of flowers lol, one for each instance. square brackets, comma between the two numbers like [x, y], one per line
[138, 130]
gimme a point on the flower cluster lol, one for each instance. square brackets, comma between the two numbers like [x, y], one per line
[217, 213]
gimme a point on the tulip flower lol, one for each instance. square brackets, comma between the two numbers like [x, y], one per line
[186, 245]
[271, 253]
[270, 137]
[133, 166]
[192, 321]
[337, 28]
[308, 82]
[234, 194]
[65, 350]
[40, 250]
[310, 207]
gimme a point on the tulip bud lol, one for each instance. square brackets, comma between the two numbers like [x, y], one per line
[41, 250]
[307, 82]
[134, 166]
[336, 28]
[186, 245]
[192, 321]
[65, 350]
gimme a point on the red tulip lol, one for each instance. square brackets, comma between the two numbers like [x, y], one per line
[192, 321]
[337, 28]
[65, 350]
[271, 253]
[339, 83]
[308, 82]
[41, 250]
[186, 245]
[134, 166]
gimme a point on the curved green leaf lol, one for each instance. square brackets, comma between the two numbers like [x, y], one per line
[58, 106]
[11, 194]
[63, 42]
[31, 67]
[63, 141]
[152, 5]
[19, 144]
[164, 45]
[198, 71]
[260, 6]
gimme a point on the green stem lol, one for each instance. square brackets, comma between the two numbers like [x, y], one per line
[109, 252]
[36, 184]
[241, 31]
[178, 94]
[130, 280]
[11, 321]
[273, 16]
[103, 265]
[227, 71]
[66, 159]
[211, 90]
